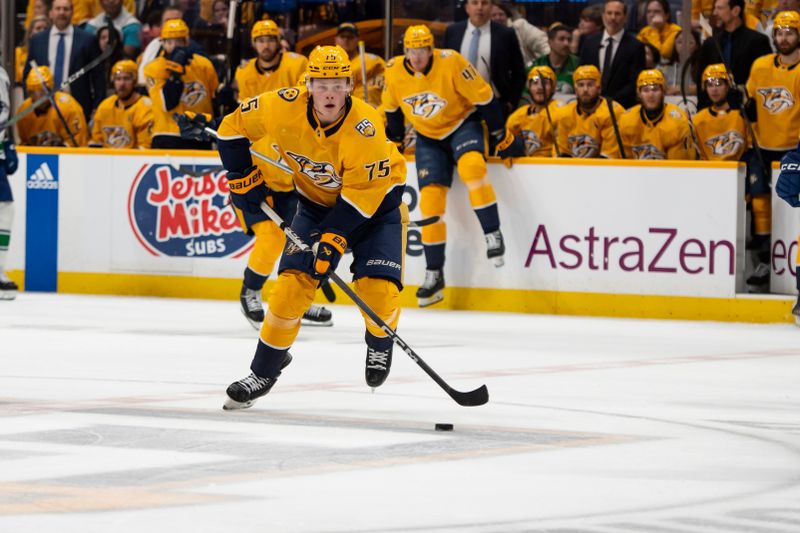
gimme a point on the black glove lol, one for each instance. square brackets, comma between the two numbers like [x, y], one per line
[12, 161]
[180, 55]
[248, 190]
[193, 125]
[224, 100]
[510, 146]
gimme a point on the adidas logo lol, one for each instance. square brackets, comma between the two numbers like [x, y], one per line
[42, 178]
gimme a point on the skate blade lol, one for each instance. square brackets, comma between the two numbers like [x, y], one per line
[316, 324]
[256, 325]
[797, 321]
[498, 261]
[435, 298]
[8, 295]
[232, 405]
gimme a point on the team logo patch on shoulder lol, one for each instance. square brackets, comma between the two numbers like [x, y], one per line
[727, 143]
[676, 114]
[425, 105]
[322, 174]
[582, 145]
[289, 94]
[647, 151]
[365, 128]
[776, 99]
[445, 53]
[390, 63]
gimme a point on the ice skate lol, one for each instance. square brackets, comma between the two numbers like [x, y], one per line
[317, 316]
[432, 289]
[495, 248]
[8, 290]
[244, 393]
[759, 280]
[796, 311]
[252, 307]
[379, 360]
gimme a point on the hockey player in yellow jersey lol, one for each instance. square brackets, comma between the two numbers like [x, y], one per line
[535, 123]
[654, 129]
[720, 130]
[347, 38]
[178, 81]
[351, 181]
[584, 127]
[271, 69]
[44, 126]
[774, 88]
[124, 119]
[439, 92]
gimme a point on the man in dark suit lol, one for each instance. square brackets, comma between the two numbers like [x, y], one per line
[739, 45]
[618, 54]
[492, 49]
[66, 49]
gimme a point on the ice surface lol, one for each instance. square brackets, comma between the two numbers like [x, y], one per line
[111, 420]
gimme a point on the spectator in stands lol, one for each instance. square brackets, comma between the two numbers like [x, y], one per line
[734, 45]
[47, 126]
[67, 49]
[651, 56]
[109, 36]
[492, 49]
[212, 34]
[36, 8]
[179, 81]
[124, 119]
[154, 47]
[347, 38]
[37, 24]
[617, 53]
[532, 41]
[124, 22]
[660, 31]
[559, 58]
[655, 129]
[591, 22]
[681, 73]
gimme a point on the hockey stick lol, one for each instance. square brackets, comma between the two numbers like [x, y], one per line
[64, 85]
[362, 51]
[475, 397]
[52, 97]
[615, 126]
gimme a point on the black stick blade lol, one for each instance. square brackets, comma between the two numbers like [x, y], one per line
[473, 398]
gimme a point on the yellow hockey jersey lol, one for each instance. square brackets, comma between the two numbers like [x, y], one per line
[663, 40]
[199, 86]
[535, 128]
[668, 137]
[351, 159]
[775, 88]
[721, 135]
[253, 80]
[43, 127]
[375, 77]
[587, 135]
[438, 101]
[115, 126]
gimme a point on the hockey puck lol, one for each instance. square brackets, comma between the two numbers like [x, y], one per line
[444, 427]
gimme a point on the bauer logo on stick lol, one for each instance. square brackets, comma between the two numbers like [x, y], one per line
[180, 215]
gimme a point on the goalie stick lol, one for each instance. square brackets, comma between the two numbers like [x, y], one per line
[65, 84]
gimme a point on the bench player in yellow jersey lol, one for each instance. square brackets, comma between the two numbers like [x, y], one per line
[124, 119]
[350, 180]
[535, 123]
[655, 129]
[271, 69]
[774, 89]
[347, 38]
[584, 127]
[721, 132]
[438, 91]
[44, 127]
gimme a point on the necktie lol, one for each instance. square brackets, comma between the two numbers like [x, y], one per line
[607, 58]
[58, 75]
[727, 49]
[472, 55]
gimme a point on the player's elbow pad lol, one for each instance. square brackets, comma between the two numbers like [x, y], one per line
[395, 129]
[492, 113]
[235, 154]
[172, 91]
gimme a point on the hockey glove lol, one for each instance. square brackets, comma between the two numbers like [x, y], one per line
[788, 185]
[327, 253]
[193, 125]
[12, 161]
[510, 146]
[178, 59]
[248, 190]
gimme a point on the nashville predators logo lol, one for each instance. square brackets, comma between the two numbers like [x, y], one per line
[728, 143]
[647, 151]
[776, 99]
[289, 94]
[582, 145]
[117, 137]
[365, 128]
[322, 174]
[193, 93]
[425, 105]
[532, 141]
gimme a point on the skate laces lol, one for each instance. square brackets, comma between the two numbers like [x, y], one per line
[254, 383]
[377, 359]
[493, 239]
[431, 278]
[761, 270]
[314, 311]
[252, 299]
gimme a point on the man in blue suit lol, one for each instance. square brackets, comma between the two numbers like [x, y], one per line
[66, 49]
